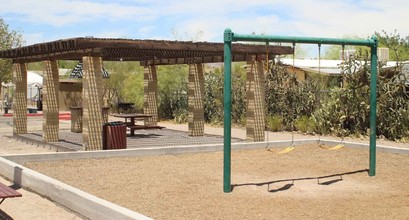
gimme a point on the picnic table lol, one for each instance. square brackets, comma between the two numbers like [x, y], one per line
[131, 124]
[7, 192]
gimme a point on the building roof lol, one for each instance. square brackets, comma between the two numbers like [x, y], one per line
[333, 67]
[145, 51]
[327, 67]
[312, 63]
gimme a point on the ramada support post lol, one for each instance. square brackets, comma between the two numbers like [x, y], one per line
[20, 98]
[196, 104]
[255, 100]
[92, 103]
[150, 105]
[50, 101]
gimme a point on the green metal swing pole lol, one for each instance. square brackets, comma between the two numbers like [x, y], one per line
[230, 37]
[372, 111]
[227, 112]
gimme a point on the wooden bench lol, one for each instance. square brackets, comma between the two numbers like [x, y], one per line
[126, 107]
[7, 192]
[142, 127]
[32, 110]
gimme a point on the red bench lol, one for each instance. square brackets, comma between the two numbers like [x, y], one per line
[7, 192]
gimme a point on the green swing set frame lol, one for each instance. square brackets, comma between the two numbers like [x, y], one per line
[230, 37]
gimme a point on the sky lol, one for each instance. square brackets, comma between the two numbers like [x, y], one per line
[201, 20]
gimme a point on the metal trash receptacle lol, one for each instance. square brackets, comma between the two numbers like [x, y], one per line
[114, 135]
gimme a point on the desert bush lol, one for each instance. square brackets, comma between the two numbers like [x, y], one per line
[305, 124]
[180, 116]
[393, 106]
[274, 123]
[213, 97]
[345, 111]
[172, 83]
[287, 97]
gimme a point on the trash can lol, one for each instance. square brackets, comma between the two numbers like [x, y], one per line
[114, 135]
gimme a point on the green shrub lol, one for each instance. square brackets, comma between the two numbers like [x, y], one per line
[275, 123]
[180, 116]
[305, 124]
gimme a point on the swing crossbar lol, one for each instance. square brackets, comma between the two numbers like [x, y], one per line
[303, 40]
[230, 37]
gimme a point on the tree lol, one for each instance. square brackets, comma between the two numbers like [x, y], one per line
[64, 64]
[125, 83]
[8, 39]
[173, 91]
[332, 52]
[398, 46]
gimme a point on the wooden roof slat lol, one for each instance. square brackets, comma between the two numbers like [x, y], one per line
[133, 50]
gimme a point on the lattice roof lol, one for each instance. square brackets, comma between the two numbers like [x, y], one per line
[146, 51]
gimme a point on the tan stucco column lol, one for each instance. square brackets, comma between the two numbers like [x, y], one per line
[92, 103]
[20, 98]
[50, 101]
[150, 96]
[255, 85]
[196, 103]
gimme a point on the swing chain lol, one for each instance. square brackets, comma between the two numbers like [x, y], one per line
[319, 72]
[342, 65]
[319, 59]
[293, 56]
[267, 65]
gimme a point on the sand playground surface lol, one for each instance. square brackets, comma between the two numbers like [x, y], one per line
[307, 183]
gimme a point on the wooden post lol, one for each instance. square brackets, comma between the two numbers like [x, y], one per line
[150, 105]
[196, 103]
[255, 124]
[92, 103]
[20, 98]
[50, 101]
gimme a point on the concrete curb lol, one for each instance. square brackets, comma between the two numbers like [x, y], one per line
[381, 148]
[51, 146]
[74, 199]
[21, 158]
[153, 151]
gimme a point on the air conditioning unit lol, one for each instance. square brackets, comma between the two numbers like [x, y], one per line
[383, 54]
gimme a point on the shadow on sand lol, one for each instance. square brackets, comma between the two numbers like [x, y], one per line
[321, 180]
[5, 216]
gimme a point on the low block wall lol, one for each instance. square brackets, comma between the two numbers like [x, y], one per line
[74, 199]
